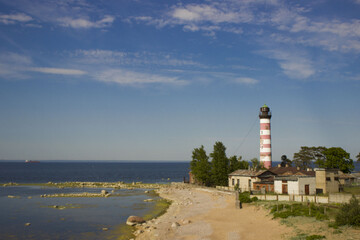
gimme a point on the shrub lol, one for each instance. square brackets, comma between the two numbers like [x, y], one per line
[349, 213]
[244, 197]
[254, 199]
[315, 237]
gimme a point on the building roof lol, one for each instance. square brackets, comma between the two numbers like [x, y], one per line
[292, 178]
[247, 173]
[290, 171]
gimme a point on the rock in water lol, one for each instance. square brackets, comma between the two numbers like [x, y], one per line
[133, 220]
[104, 192]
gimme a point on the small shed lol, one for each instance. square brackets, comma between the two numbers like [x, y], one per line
[295, 185]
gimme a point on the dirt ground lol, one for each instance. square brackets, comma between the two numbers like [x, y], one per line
[201, 213]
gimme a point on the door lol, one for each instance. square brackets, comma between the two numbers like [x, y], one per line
[307, 189]
[284, 189]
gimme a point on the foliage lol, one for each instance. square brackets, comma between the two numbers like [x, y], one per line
[285, 161]
[306, 155]
[336, 157]
[315, 237]
[200, 166]
[244, 197]
[349, 213]
[255, 164]
[236, 163]
[358, 157]
[298, 209]
[220, 165]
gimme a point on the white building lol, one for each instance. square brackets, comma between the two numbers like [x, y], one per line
[295, 185]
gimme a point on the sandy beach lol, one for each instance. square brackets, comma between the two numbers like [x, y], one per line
[202, 213]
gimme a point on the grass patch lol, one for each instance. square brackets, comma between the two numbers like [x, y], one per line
[298, 209]
[159, 209]
[352, 189]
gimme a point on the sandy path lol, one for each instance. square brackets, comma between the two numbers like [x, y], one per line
[198, 213]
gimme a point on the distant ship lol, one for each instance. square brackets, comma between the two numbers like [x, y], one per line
[31, 161]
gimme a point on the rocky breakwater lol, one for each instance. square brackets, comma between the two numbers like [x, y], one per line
[115, 185]
[103, 193]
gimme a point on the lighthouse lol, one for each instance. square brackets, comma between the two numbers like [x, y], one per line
[265, 136]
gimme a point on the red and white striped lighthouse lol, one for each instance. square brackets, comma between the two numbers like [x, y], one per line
[265, 136]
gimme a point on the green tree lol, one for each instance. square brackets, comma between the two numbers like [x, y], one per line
[200, 166]
[307, 155]
[236, 163]
[336, 157]
[358, 157]
[220, 165]
[285, 161]
[255, 164]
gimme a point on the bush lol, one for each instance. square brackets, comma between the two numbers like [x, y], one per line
[244, 197]
[315, 237]
[349, 213]
[254, 199]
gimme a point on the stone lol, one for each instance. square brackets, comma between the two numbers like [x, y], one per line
[146, 191]
[175, 225]
[133, 220]
[148, 200]
[27, 224]
[104, 192]
[186, 221]
[105, 229]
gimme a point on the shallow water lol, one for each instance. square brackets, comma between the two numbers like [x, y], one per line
[84, 221]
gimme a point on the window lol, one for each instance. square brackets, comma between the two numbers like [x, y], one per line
[233, 182]
[238, 182]
[328, 179]
[336, 179]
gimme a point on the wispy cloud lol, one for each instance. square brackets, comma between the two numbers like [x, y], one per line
[14, 18]
[246, 80]
[85, 23]
[99, 56]
[61, 71]
[131, 78]
[293, 64]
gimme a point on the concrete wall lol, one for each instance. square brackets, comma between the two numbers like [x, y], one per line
[293, 187]
[332, 198]
[243, 182]
[311, 181]
[283, 198]
[278, 186]
[339, 198]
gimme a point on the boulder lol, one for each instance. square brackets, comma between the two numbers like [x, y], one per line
[133, 220]
[148, 200]
[104, 192]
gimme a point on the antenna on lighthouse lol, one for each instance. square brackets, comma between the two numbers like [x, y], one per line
[265, 136]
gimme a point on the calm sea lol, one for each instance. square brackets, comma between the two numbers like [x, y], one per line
[147, 172]
[86, 217]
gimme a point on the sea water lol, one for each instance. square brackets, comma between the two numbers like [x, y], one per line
[84, 218]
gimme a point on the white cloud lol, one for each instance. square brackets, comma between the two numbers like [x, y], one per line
[60, 71]
[14, 18]
[246, 80]
[12, 64]
[99, 56]
[294, 64]
[85, 23]
[125, 77]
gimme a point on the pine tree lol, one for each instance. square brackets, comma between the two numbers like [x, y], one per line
[220, 165]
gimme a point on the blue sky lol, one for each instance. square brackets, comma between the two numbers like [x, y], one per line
[151, 80]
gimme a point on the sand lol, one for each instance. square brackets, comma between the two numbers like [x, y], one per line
[203, 213]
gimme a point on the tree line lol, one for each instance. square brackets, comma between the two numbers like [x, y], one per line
[213, 169]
